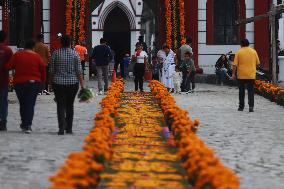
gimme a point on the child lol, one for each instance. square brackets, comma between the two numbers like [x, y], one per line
[126, 62]
[155, 68]
[177, 78]
[188, 73]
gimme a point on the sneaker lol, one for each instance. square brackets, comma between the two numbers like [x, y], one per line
[188, 92]
[251, 109]
[100, 93]
[46, 92]
[28, 131]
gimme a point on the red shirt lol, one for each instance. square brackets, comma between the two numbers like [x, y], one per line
[5, 55]
[28, 66]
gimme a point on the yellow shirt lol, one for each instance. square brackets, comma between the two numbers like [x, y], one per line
[246, 60]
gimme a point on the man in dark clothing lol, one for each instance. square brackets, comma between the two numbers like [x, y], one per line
[101, 55]
[5, 55]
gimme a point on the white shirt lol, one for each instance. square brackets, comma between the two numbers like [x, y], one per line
[141, 57]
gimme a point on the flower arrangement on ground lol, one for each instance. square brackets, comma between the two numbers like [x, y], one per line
[270, 91]
[204, 169]
[82, 169]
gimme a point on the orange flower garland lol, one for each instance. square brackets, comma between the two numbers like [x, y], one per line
[68, 17]
[168, 23]
[72, 25]
[204, 169]
[270, 91]
[82, 33]
[171, 30]
[182, 21]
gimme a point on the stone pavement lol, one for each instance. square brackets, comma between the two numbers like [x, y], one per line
[250, 143]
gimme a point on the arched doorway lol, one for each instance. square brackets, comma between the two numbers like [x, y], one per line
[117, 33]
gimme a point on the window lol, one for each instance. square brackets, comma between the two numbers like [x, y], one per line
[225, 15]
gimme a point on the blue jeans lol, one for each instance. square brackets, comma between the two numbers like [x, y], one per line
[222, 75]
[27, 95]
[3, 104]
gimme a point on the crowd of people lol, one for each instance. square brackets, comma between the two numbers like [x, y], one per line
[175, 69]
[37, 71]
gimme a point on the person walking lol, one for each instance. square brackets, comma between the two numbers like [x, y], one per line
[244, 69]
[30, 74]
[65, 74]
[102, 55]
[5, 55]
[43, 50]
[83, 54]
[139, 67]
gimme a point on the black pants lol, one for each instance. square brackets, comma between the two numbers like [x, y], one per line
[156, 77]
[188, 81]
[83, 64]
[27, 95]
[249, 83]
[65, 97]
[139, 71]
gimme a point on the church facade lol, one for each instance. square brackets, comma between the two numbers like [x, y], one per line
[210, 23]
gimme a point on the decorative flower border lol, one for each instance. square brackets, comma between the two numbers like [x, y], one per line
[82, 169]
[204, 169]
[75, 20]
[270, 91]
[175, 23]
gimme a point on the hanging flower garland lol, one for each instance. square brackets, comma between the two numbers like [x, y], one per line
[69, 17]
[175, 22]
[182, 21]
[168, 23]
[75, 20]
[82, 33]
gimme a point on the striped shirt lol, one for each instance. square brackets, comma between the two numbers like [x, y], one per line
[65, 67]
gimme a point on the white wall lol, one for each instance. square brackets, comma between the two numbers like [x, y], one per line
[46, 21]
[208, 54]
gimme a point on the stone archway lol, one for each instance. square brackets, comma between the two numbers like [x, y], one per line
[132, 10]
[117, 32]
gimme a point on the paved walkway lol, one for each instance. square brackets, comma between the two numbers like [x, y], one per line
[252, 144]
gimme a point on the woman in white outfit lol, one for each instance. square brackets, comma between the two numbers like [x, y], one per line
[168, 67]
[165, 57]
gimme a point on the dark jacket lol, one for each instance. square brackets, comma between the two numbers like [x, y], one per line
[101, 55]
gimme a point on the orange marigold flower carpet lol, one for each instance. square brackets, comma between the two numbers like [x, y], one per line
[142, 158]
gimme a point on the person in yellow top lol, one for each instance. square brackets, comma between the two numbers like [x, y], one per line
[244, 66]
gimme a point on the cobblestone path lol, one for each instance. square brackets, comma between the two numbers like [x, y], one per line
[142, 157]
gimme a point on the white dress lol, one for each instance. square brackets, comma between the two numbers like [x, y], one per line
[168, 70]
[162, 60]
